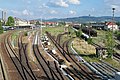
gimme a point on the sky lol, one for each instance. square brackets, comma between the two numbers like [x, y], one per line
[47, 9]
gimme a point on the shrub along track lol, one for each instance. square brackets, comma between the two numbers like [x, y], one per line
[116, 56]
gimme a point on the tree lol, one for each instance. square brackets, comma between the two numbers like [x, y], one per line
[110, 43]
[78, 33]
[62, 24]
[10, 21]
[118, 35]
[118, 23]
[1, 28]
[37, 23]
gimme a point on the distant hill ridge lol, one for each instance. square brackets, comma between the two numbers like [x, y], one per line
[84, 19]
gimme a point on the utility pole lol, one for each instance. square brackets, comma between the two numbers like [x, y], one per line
[89, 26]
[113, 10]
[41, 27]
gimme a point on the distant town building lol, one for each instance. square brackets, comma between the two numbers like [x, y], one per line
[4, 16]
[3, 19]
[50, 24]
[21, 22]
[99, 26]
[105, 26]
[33, 21]
[69, 23]
[111, 26]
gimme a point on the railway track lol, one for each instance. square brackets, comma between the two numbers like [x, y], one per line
[76, 71]
[24, 69]
[23, 57]
[18, 65]
[2, 71]
[59, 36]
[64, 53]
[49, 73]
[109, 66]
[105, 69]
[115, 55]
[66, 48]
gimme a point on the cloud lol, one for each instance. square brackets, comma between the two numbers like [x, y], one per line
[113, 4]
[72, 12]
[1, 9]
[93, 10]
[15, 12]
[21, 13]
[27, 13]
[43, 6]
[57, 3]
[74, 1]
[29, 2]
[53, 12]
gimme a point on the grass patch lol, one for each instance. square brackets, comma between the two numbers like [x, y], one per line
[83, 47]
[89, 59]
[53, 30]
[101, 36]
[113, 62]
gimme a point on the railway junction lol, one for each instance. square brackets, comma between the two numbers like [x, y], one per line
[28, 55]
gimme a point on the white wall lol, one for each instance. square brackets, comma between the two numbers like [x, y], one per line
[115, 27]
[22, 23]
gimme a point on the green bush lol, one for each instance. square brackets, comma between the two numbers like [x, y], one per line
[25, 34]
[1, 29]
[110, 52]
[78, 33]
[89, 40]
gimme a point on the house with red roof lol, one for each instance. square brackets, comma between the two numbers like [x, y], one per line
[50, 24]
[111, 26]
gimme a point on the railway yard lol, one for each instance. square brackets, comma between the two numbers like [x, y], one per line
[29, 55]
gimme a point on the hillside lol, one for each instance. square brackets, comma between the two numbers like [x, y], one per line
[84, 19]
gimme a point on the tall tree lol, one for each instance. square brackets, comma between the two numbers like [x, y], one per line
[110, 43]
[10, 21]
[118, 23]
[1, 28]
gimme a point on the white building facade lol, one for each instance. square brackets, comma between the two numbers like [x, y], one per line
[112, 26]
[20, 22]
